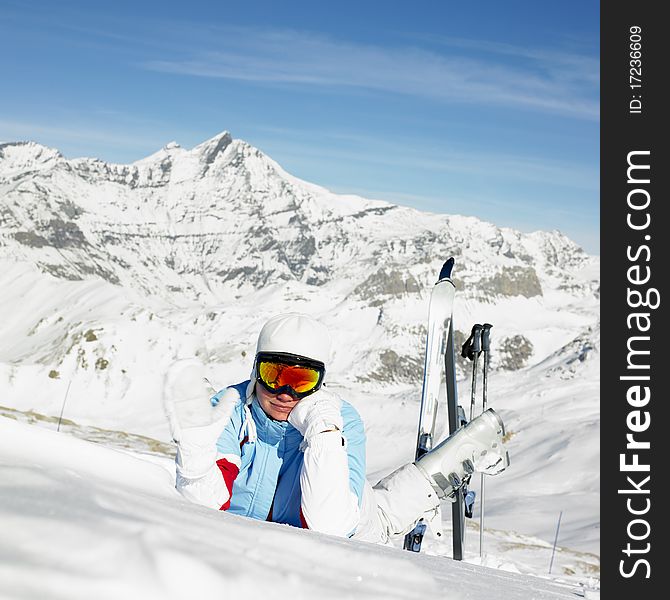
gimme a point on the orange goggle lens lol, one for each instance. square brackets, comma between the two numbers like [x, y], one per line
[276, 375]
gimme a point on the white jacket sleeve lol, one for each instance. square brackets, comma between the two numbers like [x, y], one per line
[328, 503]
[199, 478]
[209, 490]
[213, 488]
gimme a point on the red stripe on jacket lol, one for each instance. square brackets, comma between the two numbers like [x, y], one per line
[303, 521]
[229, 472]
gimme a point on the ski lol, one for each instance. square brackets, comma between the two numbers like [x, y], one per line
[463, 500]
[439, 330]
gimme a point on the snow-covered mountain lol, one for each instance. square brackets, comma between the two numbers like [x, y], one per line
[222, 226]
[110, 272]
[223, 219]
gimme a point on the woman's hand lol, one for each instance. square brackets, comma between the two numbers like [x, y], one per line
[317, 413]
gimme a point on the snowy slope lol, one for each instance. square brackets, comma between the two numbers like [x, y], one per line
[110, 272]
[81, 520]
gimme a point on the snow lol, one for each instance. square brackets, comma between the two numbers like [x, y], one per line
[97, 320]
[81, 520]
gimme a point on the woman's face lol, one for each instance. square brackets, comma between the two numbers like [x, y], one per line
[276, 406]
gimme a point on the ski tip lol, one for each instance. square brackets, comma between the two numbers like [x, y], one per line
[447, 267]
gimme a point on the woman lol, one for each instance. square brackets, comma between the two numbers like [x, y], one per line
[282, 447]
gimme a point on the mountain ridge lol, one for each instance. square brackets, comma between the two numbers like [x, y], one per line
[227, 187]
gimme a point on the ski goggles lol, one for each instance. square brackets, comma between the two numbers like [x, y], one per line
[281, 373]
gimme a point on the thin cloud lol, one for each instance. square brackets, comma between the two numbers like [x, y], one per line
[545, 81]
[360, 149]
[559, 64]
[459, 70]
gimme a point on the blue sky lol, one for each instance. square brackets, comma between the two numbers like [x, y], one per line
[482, 108]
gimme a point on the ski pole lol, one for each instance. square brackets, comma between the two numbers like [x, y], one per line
[476, 348]
[471, 350]
[486, 348]
[62, 408]
[553, 551]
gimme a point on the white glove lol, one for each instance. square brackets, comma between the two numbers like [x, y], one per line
[317, 413]
[195, 425]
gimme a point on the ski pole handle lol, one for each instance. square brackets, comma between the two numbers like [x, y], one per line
[473, 345]
[477, 339]
[486, 337]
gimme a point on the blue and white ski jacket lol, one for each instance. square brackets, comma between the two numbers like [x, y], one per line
[271, 473]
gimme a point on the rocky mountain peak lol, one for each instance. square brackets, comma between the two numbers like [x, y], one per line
[209, 150]
[19, 157]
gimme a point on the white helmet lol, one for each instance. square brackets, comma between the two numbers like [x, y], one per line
[295, 333]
